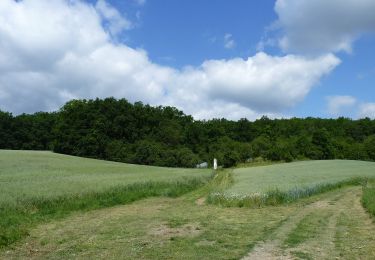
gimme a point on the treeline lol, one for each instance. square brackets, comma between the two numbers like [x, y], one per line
[117, 130]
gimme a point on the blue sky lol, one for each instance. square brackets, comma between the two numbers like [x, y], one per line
[209, 58]
[180, 33]
[190, 32]
[355, 76]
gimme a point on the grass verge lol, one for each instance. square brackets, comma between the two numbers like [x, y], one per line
[276, 196]
[368, 197]
[16, 221]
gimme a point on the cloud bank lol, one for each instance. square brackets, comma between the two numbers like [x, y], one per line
[315, 26]
[339, 105]
[349, 106]
[54, 50]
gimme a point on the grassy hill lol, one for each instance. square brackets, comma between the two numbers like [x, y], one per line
[288, 176]
[58, 207]
[35, 186]
[27, 175]
[281, 183]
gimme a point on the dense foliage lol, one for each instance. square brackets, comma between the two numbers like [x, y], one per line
[136, 133]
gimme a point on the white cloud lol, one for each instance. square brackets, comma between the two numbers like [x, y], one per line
[367, 110]
[54, 50]
[262, 83]
[349, 106]
[223, 109]
[340, 105]
[116, 22]
[229, 43]
[316, 26]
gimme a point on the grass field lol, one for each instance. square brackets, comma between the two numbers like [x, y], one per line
[332, 225]
[27, 175]
[61, 220]
[35, 185]
[288, 176]
[285, 183]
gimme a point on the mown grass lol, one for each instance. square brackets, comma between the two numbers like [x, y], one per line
[308, 228]
[155, 228]
[350, 226]
[128, 232]
[21, 209]
[15, 222]
[368, 197]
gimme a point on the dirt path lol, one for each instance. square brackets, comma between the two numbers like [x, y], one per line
[334, 228]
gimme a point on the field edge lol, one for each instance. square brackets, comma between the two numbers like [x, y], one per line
[277, 197]
[15, 222]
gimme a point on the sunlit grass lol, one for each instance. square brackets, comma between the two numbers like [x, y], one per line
[368, 197]
[289, 176]
[26, 175]
[37, 186]
[285, 183]
[276, 196]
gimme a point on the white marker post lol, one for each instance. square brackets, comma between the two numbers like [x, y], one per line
[215, 164]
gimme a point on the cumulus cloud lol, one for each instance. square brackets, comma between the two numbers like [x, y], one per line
[340, 105]
[115, 22]
[54, 50]
[367, 110]
[265, 83]
[315, 26]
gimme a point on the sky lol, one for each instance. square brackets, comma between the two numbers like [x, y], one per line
[209, 58]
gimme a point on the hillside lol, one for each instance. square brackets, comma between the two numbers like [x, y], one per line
[304, 174]
[58, 206]
[26, 175]
[37, 186]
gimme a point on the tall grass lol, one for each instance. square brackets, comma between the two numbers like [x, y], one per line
[17, 219]
[286, 177]
[31, 174]
[38, 186]
[275, 196]
[368, 198]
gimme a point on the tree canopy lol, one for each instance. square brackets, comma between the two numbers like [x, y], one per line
[118, 130]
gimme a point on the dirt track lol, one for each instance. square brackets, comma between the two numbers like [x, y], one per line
[336, 227]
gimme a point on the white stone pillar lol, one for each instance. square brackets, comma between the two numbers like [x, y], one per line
[215, 164]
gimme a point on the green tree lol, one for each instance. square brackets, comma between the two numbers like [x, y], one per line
[369, 147]
[323, 143]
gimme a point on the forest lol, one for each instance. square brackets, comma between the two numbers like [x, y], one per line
[117, 130]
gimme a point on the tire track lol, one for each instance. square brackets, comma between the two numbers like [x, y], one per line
[321, 246]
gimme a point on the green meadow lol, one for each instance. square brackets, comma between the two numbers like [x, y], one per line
[288, 176]
[38, 186]
[55, 206]
[288, 182]
[28, 175]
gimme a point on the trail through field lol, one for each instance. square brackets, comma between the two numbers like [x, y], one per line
[336, 227]
[332, 225]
